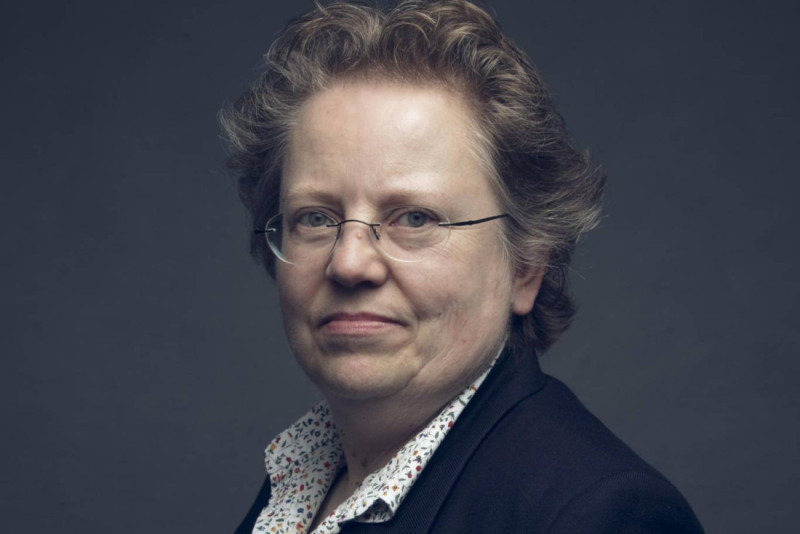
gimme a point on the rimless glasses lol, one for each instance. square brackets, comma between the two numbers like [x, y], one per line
[408, 234]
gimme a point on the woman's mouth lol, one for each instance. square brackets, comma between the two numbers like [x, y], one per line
[361, 323]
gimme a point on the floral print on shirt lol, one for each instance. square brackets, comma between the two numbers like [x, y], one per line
[303, 462]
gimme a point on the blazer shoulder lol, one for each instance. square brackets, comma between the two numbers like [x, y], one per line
[627, 502]
[551, 465]
[560, 436]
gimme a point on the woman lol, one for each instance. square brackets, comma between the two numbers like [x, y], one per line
[417, 199]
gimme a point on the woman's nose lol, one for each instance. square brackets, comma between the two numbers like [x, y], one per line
[355, 258]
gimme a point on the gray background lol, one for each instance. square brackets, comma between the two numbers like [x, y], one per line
[144, 366]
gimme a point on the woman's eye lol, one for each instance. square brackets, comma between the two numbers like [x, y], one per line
[314, 219]
[413, 219]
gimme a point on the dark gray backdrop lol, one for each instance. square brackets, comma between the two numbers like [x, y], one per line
[144, 367]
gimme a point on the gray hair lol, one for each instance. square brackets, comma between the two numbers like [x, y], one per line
[551, 191]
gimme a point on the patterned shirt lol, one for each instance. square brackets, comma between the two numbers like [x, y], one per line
[303, 462]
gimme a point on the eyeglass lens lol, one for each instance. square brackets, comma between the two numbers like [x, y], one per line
[408, 235]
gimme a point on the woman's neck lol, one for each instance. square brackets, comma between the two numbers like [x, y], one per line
[372, 431]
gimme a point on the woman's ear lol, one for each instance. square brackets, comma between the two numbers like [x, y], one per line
[525, 287]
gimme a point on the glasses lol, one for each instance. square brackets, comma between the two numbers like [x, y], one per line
[407, 234]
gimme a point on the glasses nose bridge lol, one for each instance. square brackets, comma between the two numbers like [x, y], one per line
[372, 229]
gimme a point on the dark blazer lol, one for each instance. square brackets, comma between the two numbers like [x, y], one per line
[526, 456]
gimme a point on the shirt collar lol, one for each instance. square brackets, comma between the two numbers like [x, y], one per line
[303, 462]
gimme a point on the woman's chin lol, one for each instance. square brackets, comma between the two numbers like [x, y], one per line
[362, 376]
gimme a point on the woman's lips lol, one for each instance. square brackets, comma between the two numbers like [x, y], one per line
[357, 323]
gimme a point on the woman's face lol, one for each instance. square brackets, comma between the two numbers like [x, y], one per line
[361, 324]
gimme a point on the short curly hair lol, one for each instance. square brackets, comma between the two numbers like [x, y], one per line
[551, 191]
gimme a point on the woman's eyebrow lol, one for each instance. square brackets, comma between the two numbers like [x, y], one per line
[308, 194]
[390, 197]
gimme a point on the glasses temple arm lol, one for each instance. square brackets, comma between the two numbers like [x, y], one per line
[476, 221]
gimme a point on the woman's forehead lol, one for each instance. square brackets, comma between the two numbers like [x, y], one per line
[368, 114]
[385, 142]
